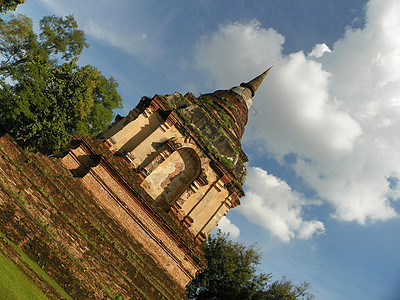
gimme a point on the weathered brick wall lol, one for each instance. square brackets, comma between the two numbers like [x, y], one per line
[59, 224]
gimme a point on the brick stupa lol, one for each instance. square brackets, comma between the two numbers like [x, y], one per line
[125, 214]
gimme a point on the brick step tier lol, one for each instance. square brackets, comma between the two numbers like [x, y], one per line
[53, 218]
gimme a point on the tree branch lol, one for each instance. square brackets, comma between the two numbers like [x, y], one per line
[9, 58]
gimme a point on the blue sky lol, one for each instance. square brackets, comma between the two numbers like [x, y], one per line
[322, 199]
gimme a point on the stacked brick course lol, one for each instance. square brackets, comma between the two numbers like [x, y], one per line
[52, 217]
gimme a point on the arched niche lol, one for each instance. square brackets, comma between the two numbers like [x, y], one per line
[173, 176]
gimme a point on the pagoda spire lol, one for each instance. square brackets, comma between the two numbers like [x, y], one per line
[248, 89]
[254, 84]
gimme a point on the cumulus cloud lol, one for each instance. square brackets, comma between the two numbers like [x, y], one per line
[319, 50]
[336, 115]
[227, 227]
[366, 84]
[298, 114]
[236, 50]
[271, 203]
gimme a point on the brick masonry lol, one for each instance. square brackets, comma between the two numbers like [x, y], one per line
[90, 250]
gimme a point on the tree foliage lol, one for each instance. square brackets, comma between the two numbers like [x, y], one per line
[19, 43]
[6, 5]
[45, 96]
[61, 35]
[231, 274]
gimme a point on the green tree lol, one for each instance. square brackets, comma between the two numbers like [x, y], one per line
[9, 4]
[231, 274]
[286, 290]
[44, 102]
[59, 37]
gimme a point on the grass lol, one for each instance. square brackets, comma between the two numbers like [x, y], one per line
[16, 285]
[23, 284]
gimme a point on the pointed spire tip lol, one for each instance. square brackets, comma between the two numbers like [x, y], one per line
[255, 83]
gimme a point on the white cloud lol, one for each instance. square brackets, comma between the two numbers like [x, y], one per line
[319, 50]
[337, 114]
[298, 115]
[272, 204]
[227, 227]
[237, 50]
[309, 228]
[366, 82]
